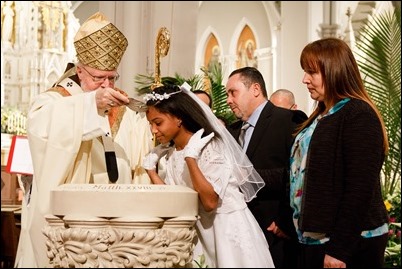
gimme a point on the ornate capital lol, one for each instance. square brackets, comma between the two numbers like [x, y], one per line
[78, 241]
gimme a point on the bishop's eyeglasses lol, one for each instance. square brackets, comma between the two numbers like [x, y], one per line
[102, 79]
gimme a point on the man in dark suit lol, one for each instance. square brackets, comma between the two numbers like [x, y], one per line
[267, 143]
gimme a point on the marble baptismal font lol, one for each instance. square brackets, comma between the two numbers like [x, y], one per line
[121, 226]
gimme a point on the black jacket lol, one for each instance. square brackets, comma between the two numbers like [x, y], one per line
[269, 152]
[342, 191]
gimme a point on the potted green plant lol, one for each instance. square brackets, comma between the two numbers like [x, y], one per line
[379, 51]
[380, 63]
[210, 80]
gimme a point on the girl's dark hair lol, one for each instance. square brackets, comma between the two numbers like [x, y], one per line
[181, 105]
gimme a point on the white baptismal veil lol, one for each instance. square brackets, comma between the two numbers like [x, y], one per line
[250, 182]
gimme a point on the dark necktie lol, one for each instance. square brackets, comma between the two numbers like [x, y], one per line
[243, 133]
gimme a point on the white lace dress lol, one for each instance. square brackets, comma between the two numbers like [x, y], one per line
[229, 236]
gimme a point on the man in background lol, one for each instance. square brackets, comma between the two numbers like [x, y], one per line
[286, 99]
[265, 133]
[283, 98]
[204, 96]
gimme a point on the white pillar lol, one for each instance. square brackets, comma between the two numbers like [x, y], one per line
[140, 21]
[300, 22]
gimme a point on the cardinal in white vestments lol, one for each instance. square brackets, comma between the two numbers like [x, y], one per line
[75, 126]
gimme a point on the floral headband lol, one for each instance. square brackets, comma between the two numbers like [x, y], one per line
[159, 97]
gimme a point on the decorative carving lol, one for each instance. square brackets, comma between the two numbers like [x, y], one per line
[7, 21]
[120, 242]
[32, 58]
[161, 50]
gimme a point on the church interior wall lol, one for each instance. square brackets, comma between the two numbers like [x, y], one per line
[84, 9]
[279, 34]
[295, 34]
[237, 16]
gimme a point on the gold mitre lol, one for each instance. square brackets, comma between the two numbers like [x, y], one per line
[99, 44]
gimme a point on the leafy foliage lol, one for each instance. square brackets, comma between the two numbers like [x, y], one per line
[380, 64]
[210, 81]
[144, 82]
[200, 263]
[393, 249]
[218, 93]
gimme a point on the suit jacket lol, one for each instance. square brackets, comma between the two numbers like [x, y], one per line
[269, 152]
